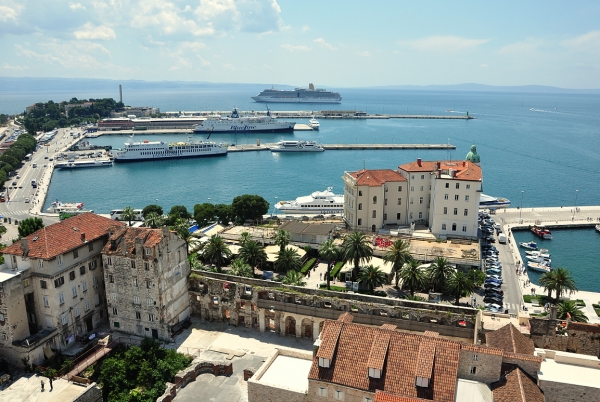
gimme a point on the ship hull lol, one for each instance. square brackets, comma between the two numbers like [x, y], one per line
[262, 99]
[243, 129]
[144, 159]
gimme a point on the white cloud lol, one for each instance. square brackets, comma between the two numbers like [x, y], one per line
[68, 54]
[589, 41]
[484, 65]
[305, 28]
[76, 6]
[448, 44]
[90, 32]
[324, 44]
[9, 67]
[8, 13]
[295, 48]
[525, 47]
[363, 53]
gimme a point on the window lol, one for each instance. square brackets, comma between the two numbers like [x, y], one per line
[398, 215]
[457, 185]
[147, 266]
[82, 270]
[64, 319]
[420, 215]
[473, 370]
[456, 197]
[25, 282]
[359, 222]
[385, 217]
[113, 297]
[115, 311]
[46, 301]
[374, 214]
[468, 186]
[95, 281]
[447, 185]
[374, 373]
[443, 226]
[466, 211]
[385, 202]
[411, 200]
[410, 215]
[375, 200]
[84, 286]
[359, 193]
[111, 278]
[92, 265]
[41, 265]
[108, 261]
[412, 177]
[138, 315]
[322, 391]
[455, 211]
[338, 395]
[150, 317]
[445, 210]
[150, 302]
[96, 299]
[77, 313]
[75, 253]
[367, 399]
[74, 290]
[464, 228]
[445, 196]
[420, 200]
[147, 251]
[135, 282]
[360, 206]
[454, 227]
[474, 357]
[43, 285]
[133, 264]
[148, 283]
[412, 188]
[116, 324]
[90, 246]
[136, 300]
[58, 282]
[466, 198]
[422, 177]
[421, 188]
[399, 201]
[399, 188]
[72, 275]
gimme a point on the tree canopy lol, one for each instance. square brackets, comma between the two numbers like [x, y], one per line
[248, 207]
[204, 213]
[29, 226]
[152, 208]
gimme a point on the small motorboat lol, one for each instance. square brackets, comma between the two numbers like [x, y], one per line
[538, 253]
[539, 259]
[541, 267]
[598, 228]
[542, 232]
[529, 245]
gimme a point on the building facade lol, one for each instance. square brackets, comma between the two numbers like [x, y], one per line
[53, 287]
[146, 273]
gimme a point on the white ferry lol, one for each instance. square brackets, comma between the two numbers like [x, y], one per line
[243, 124]
[58, 207]
[297, 146]
[298, 95]
[319, 202]
[157, 150]
[84, 164]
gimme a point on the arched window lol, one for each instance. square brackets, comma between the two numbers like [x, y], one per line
[360, 206]
[375, 200]
[374, 214]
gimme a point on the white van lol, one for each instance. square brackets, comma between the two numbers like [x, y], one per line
[116, 214]
[502, 238]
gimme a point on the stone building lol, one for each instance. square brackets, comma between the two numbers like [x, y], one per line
[146, 273]
[51, 288]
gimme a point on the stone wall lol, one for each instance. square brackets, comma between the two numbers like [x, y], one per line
[487, 366]
[576, 338]
[91, 394]
[190, 373]
[562, 392]
[350, 394]
[258, 392]
[529, 364]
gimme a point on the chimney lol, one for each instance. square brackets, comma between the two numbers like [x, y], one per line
[464, 163]
[120, 94]
[83, 238]
[419, 162]
[139, 245]
[123, 246]
[25, 246]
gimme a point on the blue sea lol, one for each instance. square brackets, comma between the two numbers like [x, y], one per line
[546, 145]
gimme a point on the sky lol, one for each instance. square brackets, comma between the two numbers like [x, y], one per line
[330, 43]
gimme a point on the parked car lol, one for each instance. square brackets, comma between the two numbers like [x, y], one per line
[494, 271]
[491, 299]
[493, 294]
[494, 289]
[492, 285]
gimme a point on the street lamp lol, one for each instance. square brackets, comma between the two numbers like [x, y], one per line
[575, 209]
[521, 208]
[274, 206]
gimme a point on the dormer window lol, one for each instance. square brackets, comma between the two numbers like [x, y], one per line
[374, 373]
[422, 382]
[324, 362]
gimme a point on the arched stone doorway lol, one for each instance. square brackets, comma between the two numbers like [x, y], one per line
[307, 328]
[290, 326]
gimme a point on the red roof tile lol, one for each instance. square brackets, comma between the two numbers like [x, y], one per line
[517, 386]
[375, 178]
[381, 396]
[465, 170]
[482, 349]
[148, 236]
[425, 359]
[510, 339]
[379, 349]
[390, 327]
[329, 339]
[432, 334]
[59, 238]
[346, 317]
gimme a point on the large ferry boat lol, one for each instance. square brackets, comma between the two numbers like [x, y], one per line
[298, 95]
[241, 124]
[156, 150]
[297, 146]
[319, 202]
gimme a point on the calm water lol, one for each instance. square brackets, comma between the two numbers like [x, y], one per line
[543, 144]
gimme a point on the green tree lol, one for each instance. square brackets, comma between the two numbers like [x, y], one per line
[253, 254]
[153, 220]
[293, 278]
[397, 255]
[372, 277]
[240, 268]
[357, 248]
[330, 252]
[216, 251]
[223, 213]
[438, 272]
[412, 275]
[477, 276]
[547, 281]
[459, 284]
[248, 207]
[182, 228]
[29, 226]
[563, 282]
[244, 237]
[148, 209]
[178, 212]
[282, 239]
[128, 214]
[288, 260]
[204, 213]
[568, 308]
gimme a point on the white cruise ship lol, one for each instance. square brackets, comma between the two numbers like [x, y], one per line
[297, 146]
[157, 150]
[319, 202]
[298, 95]
[242, 124]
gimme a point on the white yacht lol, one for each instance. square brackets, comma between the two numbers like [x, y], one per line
[235, 123]
[297, 146]
[487, 201]
[83, 164]
[319, 202]
[314, 123]
[156, 150]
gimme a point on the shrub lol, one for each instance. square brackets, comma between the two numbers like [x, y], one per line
[336, 269]
[308, 266]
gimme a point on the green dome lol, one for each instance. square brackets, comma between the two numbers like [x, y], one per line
[473, 156]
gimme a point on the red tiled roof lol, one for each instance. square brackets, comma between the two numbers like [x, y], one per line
[432, 334]
[517, 386]
[465, 170]
[518, 356]
[59, 238]
[381, 396]
[580, 326]
[149, 237]
[425, 359]
[375, 178]
[482, 349]
[379, 349]
[391, 327]
[509, 339]
[346, 317]
[329, 339]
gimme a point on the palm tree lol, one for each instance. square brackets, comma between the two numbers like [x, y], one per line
[569, 307]
[244, 237]
[293, 278]
[458, 283]
[253, 254]
[216, 251]
[372, 277]
[183, 230]
[128, 214]
[438, 272]
[329, 252]
[356, 248]
[563, 282]
[282, 239]
[412, 275]
[240, 268]
[153, 220]
[398, 255]
[288, 260]
[547, 281]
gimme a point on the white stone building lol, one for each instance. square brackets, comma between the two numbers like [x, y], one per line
[146, 273]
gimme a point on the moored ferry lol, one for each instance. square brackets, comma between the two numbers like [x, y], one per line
[297, 146]
[156, 150]
[298, 95]
[235, 123]
[319, 202]
[83, 164]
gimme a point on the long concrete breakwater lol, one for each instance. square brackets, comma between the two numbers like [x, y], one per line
[341, 147]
